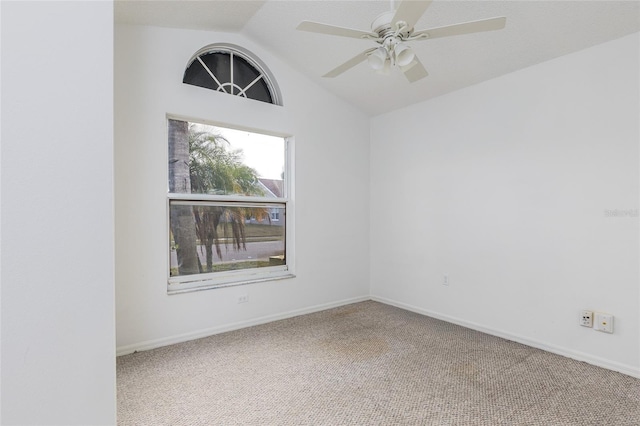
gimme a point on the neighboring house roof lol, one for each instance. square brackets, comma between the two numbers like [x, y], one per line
[274, 187]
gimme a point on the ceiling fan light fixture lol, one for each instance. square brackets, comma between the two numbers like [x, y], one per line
[386, 69]
[378, 58]
[403, 54]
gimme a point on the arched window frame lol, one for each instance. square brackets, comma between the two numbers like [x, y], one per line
[250, 58]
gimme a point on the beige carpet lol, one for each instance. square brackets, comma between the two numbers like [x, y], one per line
[367, 364]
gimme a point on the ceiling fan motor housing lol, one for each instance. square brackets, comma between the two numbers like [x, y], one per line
[383, 26]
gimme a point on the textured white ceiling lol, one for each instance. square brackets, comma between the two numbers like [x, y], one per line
[219, 15]
[536, 31]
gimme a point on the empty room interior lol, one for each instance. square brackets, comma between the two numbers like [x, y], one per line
[320, 212]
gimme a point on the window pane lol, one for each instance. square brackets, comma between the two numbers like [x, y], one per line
[243, 73]
[197, 75]
[215, 237]
[206, 159]
[260, 92]
[244, 76]
[220, 65]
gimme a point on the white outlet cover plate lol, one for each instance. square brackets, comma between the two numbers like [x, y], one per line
[603, 322]
[586, 319]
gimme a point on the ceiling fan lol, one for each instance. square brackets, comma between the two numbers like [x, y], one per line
[392, 31]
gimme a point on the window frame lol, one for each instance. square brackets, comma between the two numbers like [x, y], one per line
[211, 280]
[249, 57]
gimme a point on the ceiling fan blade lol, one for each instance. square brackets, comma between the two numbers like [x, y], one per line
[490, 24]
[349, 64]
[414, 71]
[316, 27]
[410, 11]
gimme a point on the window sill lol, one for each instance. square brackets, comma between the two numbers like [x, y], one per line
[209, 285]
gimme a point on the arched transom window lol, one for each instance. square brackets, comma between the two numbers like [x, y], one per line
[231, 69]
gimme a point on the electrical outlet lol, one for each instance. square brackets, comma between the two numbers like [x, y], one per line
[243, 298]
[586, 318]
[445, 279]
[603, 322]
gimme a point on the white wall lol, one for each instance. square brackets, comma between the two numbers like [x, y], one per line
[504, 186]
[58, 341]
[504, 189]
[331, 160]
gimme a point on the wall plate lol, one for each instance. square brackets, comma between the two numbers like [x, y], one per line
[586, 319]
[603, 322]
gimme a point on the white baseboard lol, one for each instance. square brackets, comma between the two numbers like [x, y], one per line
[157, 343]
[569, 353]
[566, 352]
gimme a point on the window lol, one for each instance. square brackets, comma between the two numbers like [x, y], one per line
[228, 202]
[233, 70]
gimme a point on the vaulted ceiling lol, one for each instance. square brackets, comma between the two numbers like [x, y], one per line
[536, 31]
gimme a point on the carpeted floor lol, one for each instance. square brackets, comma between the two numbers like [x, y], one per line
[367, 364]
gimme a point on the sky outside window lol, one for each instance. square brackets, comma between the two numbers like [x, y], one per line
[263, 153]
